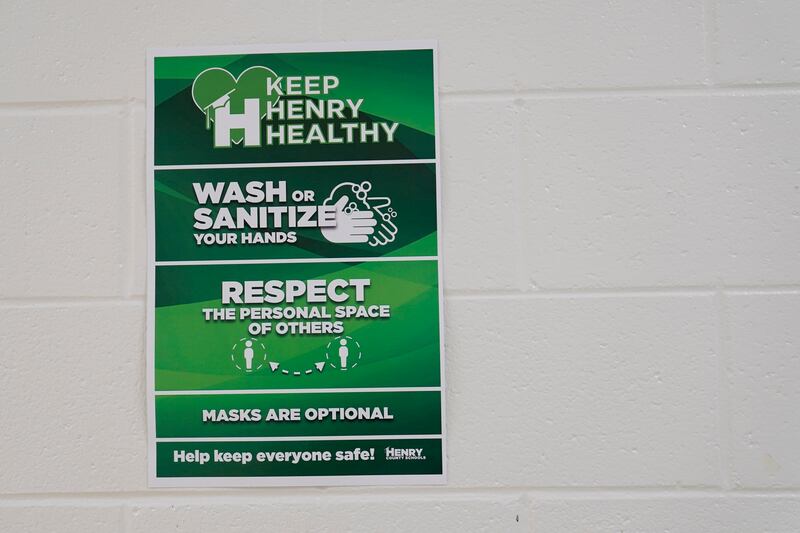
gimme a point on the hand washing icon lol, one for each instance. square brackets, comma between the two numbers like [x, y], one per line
[359, 217]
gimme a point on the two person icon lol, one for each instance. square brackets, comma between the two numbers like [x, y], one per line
[248, 353]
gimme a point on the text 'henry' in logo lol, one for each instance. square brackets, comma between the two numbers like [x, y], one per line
[404, 454]
[262, 108]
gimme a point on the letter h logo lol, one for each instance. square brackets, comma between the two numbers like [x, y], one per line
[225, 122]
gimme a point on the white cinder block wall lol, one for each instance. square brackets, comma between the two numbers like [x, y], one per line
[622, 238]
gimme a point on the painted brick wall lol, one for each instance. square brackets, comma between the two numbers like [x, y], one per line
[622, 249]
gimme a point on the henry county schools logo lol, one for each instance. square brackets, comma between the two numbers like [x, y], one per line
[260, 108]
[235, 106]
[404, 454]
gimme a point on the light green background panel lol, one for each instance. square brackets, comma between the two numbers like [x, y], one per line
[192, 353]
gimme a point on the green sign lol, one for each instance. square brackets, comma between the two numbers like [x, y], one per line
[294, 298]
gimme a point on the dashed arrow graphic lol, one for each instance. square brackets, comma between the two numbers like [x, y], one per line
[320, 366]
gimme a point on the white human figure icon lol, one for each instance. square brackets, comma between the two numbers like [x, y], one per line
[248, 355]
[344, 351]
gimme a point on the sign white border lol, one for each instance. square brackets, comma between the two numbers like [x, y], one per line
[264, 481]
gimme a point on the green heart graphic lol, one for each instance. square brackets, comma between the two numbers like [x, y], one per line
[215, 83]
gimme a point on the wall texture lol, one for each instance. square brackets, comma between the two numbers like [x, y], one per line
[623, 323]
